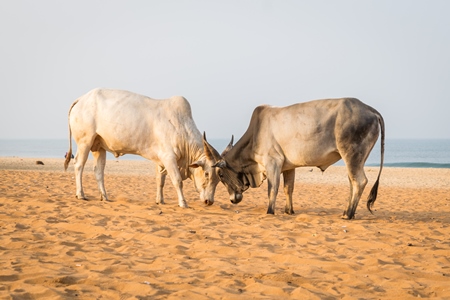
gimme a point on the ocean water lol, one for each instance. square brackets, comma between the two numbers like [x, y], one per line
[406, 153]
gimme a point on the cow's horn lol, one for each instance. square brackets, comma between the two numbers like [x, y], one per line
[228, 148]
[210, 152]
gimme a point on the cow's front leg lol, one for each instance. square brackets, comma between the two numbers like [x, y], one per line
[289, 179]
[273, 183]
[160, 181]
[177, 181]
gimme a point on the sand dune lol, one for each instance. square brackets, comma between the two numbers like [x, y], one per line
[53, 246]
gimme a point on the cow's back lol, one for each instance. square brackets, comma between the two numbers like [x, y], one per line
[309, 133]
[131, 123]
[106, 103]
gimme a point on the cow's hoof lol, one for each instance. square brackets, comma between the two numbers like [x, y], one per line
[345, 217]
[289, 212]
[183, 204]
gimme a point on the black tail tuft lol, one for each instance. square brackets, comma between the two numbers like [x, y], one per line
[372, 196]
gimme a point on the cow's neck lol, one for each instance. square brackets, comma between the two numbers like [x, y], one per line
[241, 158]
[242, 152]
[193, 153]
[196, 152]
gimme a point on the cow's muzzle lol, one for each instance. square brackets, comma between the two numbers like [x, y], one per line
[236, 198]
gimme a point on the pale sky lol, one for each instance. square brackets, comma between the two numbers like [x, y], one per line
[226, 58]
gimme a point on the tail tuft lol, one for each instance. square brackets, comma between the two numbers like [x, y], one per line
[68, 157]
[372, 196]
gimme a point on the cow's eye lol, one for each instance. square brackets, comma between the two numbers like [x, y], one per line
[220, 175]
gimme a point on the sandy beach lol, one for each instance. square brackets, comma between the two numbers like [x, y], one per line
[54, 246]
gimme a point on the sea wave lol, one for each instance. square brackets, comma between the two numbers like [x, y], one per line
[399, 153]
[413, 165]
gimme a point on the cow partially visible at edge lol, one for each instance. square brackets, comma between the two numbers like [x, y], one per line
[163, 131]
[316, 133]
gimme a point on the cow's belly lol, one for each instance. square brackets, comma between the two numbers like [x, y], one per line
[119, 145]
[312, 156]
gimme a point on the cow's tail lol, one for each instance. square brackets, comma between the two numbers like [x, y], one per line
[374, 191]
[69, 153]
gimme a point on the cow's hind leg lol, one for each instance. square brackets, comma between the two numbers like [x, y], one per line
[358, 181]
[160, 180]
[99, 170]
[79, 162]
[289, 179]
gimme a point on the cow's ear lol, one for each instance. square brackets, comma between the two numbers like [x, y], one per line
[220, 164]
[196, 164]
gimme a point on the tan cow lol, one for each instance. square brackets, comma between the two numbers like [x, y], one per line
[163, 131]
[316, 133]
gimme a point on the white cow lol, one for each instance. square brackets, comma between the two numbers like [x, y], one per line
[163, 131]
